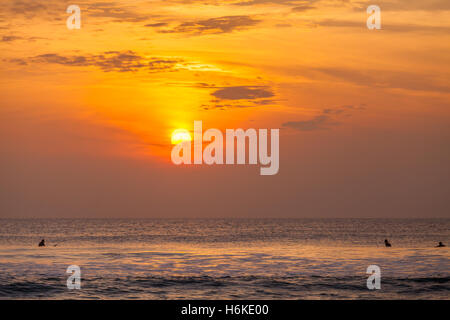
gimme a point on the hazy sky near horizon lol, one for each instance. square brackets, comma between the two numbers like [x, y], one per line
[86, 115]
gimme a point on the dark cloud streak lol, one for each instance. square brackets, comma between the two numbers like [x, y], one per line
[242, 92]
[124, 61]
[325, 120]
[224, 24]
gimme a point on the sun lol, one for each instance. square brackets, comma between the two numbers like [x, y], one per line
[180, 135]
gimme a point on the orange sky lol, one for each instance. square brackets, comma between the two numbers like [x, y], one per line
[87, 115]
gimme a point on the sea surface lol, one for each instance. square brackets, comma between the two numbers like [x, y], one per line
[224, 259]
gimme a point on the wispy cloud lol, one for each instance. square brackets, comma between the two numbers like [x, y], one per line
[317, 123]
[214, 25]
[280, 2]
[119, 61]
[10, 38]
[116, 12]
[243, 92]
[17, 38]
[386, 79]
[402, 5]
[388, 27]
[242, 2]
[239, 97]
[325, 120]
[27, 7]
[374, 78]
[303, 8]
[156, 25]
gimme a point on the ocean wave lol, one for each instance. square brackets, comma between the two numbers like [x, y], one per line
[157, 287]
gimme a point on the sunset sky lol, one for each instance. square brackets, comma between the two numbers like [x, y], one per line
[86, 116]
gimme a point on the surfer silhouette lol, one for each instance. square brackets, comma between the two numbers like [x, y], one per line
[42, 243]
[386, 243]
[440, 245]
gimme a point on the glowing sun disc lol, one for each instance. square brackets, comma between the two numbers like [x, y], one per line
[180, 135]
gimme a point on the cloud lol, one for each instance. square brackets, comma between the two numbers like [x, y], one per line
[27, 7]
[243, 92]
[20, 62]
[233, 97]
[58, 59]
[10, 38]
[30, 9]
[119, 61]
[283, 25]
[410, 5]
[243, 2]
[117, 12]
[318, 122]
[343, 110]
[16, 38]
[237, 104]
[384, 26]
[326, 119]
[373, 78]
[239, 97]
[386, 79]
[303, 8]
[156, 25]
[280, 2]
[225, 24]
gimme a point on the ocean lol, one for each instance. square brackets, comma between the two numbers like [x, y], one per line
[224, 258]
